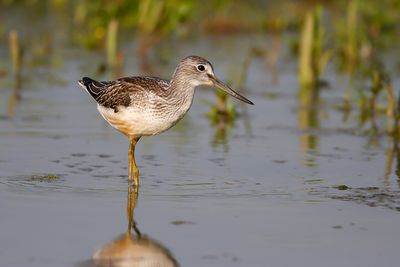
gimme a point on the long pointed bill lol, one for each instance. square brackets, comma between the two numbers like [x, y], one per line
[228, 90]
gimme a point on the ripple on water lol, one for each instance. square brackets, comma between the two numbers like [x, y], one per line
[173, 189]
[64, 183]
[371, 196]
[215, 188]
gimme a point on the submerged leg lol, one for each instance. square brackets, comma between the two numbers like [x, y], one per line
[133, 171]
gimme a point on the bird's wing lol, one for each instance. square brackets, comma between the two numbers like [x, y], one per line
[124, 91]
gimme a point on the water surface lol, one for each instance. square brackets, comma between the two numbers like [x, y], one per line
[262, 192]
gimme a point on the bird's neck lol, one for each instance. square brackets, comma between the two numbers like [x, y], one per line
[181, 86]
[181, 90]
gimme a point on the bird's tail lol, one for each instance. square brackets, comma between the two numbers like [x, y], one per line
[93, 87]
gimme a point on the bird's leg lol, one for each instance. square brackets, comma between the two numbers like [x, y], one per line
[130, 159]
[133, 171]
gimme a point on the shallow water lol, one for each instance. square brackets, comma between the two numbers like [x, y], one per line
[262, 193]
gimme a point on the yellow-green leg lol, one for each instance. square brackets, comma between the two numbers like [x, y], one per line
[133, 171]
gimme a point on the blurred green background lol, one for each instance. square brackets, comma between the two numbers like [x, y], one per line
[352, 37]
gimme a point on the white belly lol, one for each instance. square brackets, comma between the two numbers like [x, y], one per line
[135, 122]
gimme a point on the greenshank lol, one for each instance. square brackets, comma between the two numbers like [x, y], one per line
[144, 106]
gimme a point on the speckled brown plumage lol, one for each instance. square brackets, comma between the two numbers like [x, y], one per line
[122, 92]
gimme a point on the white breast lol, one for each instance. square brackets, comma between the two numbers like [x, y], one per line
[143, 121]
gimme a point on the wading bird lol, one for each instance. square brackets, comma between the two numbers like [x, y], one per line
[144, 106]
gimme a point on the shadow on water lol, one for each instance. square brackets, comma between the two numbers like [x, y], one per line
[132, 248]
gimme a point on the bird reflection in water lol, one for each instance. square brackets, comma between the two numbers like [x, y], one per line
[133, 248]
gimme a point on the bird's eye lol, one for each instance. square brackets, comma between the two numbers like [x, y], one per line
[201, 67]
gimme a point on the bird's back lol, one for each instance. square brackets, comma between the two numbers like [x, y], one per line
[124, 91]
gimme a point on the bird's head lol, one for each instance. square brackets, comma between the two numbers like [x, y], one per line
[199, 71]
